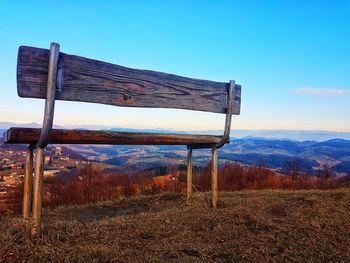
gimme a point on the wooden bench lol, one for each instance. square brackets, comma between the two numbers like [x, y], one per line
[52, 75]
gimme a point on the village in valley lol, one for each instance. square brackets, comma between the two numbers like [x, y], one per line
[12, 160]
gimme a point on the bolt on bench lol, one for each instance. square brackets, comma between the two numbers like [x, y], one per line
[52, 75]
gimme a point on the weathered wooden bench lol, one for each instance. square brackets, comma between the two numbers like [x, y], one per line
[51, 75]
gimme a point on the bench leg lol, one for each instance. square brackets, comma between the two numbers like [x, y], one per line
[27, 184]
[214, 177]
[189, 175]
[38, 177]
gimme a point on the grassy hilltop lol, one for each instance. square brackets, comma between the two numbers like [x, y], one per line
[261, 226]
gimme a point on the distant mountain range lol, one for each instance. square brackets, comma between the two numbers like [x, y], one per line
[298, 135]
[310, 155]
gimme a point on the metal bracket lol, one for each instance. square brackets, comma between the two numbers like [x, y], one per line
[200, 146]
[31, 146]
[50, 96]
[229, 110]
[226, 136]
[59, 78]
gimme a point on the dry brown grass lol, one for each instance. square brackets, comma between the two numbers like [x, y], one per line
[262, 226]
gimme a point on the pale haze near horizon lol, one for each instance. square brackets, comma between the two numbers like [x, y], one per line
[292, 58]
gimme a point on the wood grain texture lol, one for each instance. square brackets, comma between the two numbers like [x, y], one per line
[29, 135]
[87, 80]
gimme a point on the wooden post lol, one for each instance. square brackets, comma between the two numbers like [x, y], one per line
[37, 202]
[44, 135]
[189, 174]
[27, 184]
[214, 177]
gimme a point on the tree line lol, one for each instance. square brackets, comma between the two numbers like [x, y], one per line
[89, 185]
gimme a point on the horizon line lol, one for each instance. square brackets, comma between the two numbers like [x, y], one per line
[171, 129]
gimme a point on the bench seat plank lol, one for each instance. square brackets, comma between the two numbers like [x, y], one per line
[61, 136]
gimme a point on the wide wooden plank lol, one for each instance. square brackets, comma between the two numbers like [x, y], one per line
[60, 136]
[87, 80]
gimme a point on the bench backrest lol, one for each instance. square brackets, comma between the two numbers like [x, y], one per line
[88, 80]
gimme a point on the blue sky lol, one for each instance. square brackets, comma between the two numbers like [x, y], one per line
[292, 58]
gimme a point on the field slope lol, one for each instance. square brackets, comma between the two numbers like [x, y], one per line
[263, 226]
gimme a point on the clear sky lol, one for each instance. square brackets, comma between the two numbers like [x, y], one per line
[292, 58]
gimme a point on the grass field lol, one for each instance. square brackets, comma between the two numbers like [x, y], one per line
[262, 226]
